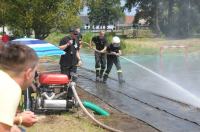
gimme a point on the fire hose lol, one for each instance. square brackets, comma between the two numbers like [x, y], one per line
[98, 50]
[73, 84]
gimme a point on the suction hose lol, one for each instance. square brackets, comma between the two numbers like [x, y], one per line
[73, 84]
[95, 108]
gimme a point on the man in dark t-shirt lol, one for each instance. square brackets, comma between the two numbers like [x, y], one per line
[113, 53]
[71, 58]
[100, 43]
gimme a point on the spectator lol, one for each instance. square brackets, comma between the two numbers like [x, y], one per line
[5, 38]
[18, 64]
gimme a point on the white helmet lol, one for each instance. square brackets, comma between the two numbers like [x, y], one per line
[116, 39]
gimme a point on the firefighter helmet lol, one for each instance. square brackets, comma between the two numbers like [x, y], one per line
[116, 39]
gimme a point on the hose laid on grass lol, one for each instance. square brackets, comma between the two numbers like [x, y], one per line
[95, 108]
[73, 84]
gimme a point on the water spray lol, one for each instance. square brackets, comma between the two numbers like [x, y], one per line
[194, 100]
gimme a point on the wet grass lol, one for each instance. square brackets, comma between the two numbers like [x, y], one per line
[64, 123]
[152, 45]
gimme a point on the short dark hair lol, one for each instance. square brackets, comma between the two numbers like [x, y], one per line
[73, 31]
[16, 57]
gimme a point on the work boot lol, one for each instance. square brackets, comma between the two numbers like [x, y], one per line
[98, 79]
[97, 73]
[105, 77]
[101, 73]
[120, 77]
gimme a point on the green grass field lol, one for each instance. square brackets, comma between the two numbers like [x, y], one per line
[141, 45]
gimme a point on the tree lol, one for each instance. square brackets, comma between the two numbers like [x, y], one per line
[104, 12]
[3, 13]
[41, 16]
[174, 18]
[67, 14]
[148, 10]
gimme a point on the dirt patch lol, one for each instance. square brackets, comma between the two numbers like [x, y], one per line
[77, 121]
[116, 119]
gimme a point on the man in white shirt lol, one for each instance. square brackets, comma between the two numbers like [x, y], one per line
[18, 64]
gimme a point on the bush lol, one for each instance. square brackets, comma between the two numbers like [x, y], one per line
[55, 38]
[87, 38]
[123, 44]
[141, 33]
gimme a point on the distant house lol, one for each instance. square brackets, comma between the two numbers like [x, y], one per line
[126, 21]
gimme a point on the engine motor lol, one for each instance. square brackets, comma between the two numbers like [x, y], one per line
[54, 93]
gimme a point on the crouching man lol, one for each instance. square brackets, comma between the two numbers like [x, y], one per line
[18, 64]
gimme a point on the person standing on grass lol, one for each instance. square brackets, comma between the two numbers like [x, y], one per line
[71, 59]
[18, 64]
[100, 43]
[5, 38]
[113, 53]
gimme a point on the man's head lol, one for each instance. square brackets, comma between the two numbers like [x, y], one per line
[101, 34]
[78, 30]
[73, 33]
[20, 62]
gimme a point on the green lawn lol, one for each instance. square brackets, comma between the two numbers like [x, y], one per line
[142, 45]
[152, 45]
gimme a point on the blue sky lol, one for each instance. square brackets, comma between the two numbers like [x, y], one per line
[84, 12]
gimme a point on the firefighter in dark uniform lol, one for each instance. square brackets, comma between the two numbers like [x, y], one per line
[113, 53]
[71, 59]
[100, 57]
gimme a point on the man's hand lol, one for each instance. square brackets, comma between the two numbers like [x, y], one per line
[102, 51]
[15, 129]
[79, 63]
[69, 42]
[28, 118]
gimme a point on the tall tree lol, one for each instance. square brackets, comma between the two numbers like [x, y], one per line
[41, 16]
[4, 7]
[174, 18]
[148, 10]
[104, 12]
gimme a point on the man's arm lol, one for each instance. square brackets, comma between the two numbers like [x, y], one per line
[120, 53]
[79, 58]
[91, 44]
[26, 118]
[64, 43]
[104, 49]
[4, 128]
[63, 47]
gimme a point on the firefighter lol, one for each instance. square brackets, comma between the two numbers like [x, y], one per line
[113, 53]
[71, 59]
[100, 43]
